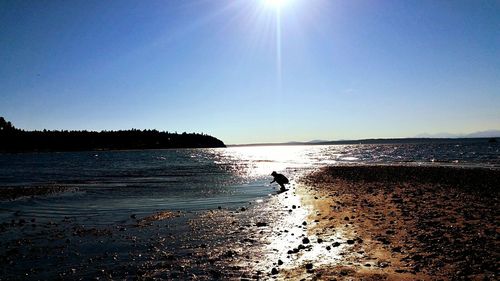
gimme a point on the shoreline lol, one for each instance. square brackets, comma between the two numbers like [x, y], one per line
[344, 222]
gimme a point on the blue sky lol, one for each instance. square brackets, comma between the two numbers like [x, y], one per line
[349, 69]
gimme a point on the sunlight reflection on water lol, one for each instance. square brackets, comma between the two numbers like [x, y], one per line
[262, 160]
[118, 183]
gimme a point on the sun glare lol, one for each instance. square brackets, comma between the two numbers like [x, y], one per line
[275, 3]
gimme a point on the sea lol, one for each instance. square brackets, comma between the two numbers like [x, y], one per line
[106, 187]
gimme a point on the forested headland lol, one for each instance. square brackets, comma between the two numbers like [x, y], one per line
[13, 139]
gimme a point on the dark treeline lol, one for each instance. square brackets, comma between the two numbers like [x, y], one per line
[16, 140]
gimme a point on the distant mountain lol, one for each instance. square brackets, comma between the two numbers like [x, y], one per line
[16, 140]
[425, 139]
[317, 141]
[484, 134]
[438, 136]
[481, 134]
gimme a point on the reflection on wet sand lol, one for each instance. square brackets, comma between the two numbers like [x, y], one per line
[293, 243]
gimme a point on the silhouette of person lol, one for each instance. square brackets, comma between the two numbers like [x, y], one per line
[280, 179]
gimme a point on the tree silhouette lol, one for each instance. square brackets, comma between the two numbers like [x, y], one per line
[16, 140]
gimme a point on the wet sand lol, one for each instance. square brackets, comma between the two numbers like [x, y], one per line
[338, 223]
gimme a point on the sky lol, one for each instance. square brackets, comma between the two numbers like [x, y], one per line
[247, 71]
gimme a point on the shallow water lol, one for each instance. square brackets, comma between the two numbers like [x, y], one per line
[108, 186]
[100, 226]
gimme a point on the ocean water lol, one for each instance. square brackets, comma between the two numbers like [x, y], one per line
[108, 186]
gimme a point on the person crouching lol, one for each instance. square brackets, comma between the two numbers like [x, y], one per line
[281, 180]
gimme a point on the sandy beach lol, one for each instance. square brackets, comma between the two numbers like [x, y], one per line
[336, 223]
[407, 223]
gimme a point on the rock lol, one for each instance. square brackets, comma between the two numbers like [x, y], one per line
[384, 240]
[350, 241]
[320, 240]
[309, 266]
[346, 218]
[230, 254]
[133, 216]
[417, 257]
[216, 274]
[261, 224]
[274, 271]
[383, 264]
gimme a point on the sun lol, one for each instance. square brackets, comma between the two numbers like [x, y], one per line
[277, 4]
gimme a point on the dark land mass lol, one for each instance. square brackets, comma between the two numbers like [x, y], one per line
[13, 139]
[381, 141]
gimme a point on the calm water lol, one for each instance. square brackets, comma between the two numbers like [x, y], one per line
[108, 186]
